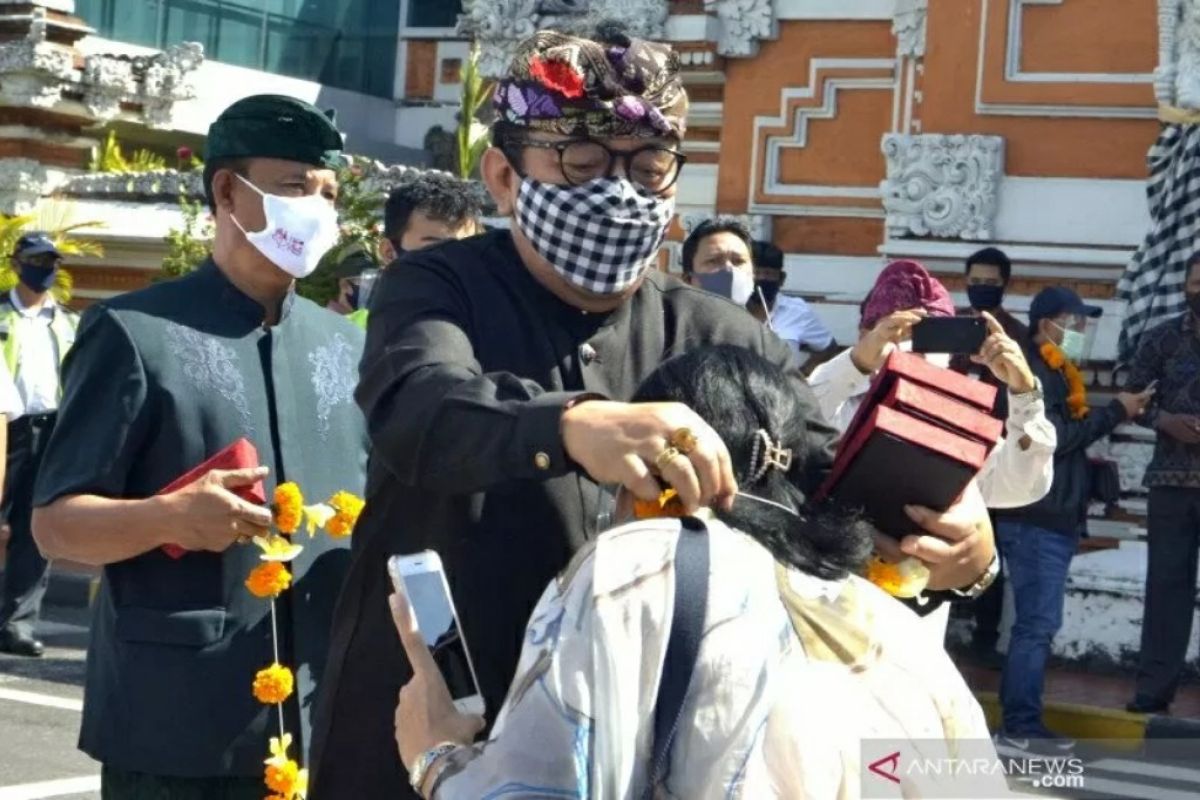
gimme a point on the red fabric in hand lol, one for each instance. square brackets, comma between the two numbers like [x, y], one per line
[239, 455]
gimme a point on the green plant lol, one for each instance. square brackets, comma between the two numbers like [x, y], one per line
[188, 246]
[55, 218]
[472, 135]
[110, 158]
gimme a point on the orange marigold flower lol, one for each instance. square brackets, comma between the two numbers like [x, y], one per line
[907, 578]
[667, 504]
[348, 507]
[289, 503]
[273, 685]
[268, 579]
[283, 777]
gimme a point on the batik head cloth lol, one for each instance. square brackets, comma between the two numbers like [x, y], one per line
[581, 87]
[904, 285]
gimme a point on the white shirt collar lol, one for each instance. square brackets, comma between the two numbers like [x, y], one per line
[48, 306]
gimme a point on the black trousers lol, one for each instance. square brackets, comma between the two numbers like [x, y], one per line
[26, 573]
[1174, 543]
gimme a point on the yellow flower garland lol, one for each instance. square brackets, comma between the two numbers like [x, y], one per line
[274, 684]
[268, 579]
[289, 505]
[1076, 390]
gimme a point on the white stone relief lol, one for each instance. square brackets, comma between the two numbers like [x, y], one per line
[743, 24]
[940, 185]
[1177, 77]
[908, 25]
[22, 182]
[499, 25]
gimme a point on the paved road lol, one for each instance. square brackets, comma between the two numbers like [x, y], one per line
[39, 721]
[39, 717]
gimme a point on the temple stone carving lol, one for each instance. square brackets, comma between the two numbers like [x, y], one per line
[943, 186]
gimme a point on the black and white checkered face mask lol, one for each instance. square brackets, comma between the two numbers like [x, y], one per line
[600, 235]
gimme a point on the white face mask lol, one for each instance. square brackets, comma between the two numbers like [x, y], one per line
[743, 286]
[297, 233]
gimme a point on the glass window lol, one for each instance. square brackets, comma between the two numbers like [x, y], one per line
[348, 44]
[433, 13]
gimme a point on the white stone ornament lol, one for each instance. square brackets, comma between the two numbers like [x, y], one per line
[498, 26]
[22, 183]
[942, 186]
[908, 25]
[1177, 77]
[743, 24]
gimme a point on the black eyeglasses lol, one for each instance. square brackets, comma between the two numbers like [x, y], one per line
[654, 167]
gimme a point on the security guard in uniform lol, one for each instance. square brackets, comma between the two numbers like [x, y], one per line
[35, 334]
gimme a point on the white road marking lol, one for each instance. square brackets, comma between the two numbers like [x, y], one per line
[34, 698]
[1149, 770]
[58, 788]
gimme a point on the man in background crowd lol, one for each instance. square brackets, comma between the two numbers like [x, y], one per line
[1038, 541]
[717, 256]
[355, 264]
[430, 209]
[35, 334]
[792, 319]
[1169, 356]
[987, 275]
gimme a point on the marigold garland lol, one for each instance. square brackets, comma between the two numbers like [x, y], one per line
[268, 579]
[906, 578]
[347, 508]
[1076, 390]
[289, 506]
[666, 505]
[283, 775]
[273, 684]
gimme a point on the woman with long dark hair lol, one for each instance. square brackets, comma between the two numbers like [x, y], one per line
[806, 680]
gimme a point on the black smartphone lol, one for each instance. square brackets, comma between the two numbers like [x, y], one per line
[956, 335]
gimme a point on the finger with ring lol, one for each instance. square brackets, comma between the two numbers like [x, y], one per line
[684, 440]
[666, 457]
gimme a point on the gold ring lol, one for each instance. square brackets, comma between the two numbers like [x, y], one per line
[684, 440]
[665, 457]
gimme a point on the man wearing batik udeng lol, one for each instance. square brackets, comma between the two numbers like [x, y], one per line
[496, 375]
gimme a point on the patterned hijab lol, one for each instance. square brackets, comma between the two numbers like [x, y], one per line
[599, 89]
[903, 285]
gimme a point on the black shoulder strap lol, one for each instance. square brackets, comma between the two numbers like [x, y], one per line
[683, 644]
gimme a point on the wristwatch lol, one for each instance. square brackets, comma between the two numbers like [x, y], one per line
[983, 582]
[424, 761]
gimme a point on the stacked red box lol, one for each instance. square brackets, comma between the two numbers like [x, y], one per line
[919, 437]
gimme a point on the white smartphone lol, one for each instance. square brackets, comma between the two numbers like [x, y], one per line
[423, 581]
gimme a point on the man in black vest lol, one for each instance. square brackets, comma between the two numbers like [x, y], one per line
[159, 381]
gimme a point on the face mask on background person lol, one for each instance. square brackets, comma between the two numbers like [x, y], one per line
[735, 284]
[769, 289]
[297, 233]
[1073, 343]
[984, 297]
[600, 236]
[37, 277]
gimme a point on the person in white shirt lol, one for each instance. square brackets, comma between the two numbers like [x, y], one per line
[790, 317]
[1020, 469]
[35, 334]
